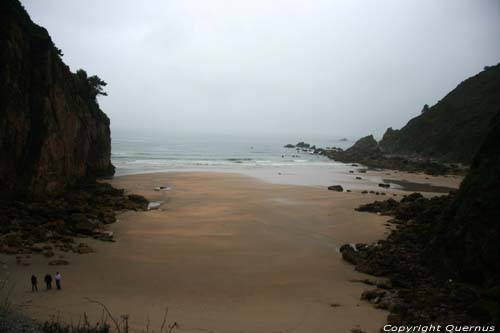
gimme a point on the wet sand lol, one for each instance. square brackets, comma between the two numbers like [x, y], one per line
[225, 253]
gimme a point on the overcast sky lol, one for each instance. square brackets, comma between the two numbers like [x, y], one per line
[345, 68]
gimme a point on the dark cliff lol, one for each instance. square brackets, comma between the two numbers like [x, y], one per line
[468, 236]
[453, 129]
[52, 133]
[442, 259]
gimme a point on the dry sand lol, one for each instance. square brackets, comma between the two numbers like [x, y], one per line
[225, 253]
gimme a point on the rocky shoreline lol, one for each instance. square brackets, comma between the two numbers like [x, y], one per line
[45, 226]
[416, 292]
[366, 151]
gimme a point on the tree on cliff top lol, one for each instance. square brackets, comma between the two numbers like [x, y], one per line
[92, 85]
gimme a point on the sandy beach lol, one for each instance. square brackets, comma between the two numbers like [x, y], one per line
[225, 253]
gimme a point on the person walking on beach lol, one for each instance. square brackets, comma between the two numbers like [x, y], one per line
[48, 281]
[34, 282]
[58, 280]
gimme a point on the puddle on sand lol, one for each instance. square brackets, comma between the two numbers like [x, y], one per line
[419, 187]
[154, 204]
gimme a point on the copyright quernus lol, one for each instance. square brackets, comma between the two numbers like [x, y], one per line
[437, 328]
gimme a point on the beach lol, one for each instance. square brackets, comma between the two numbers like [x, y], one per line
[224, 252]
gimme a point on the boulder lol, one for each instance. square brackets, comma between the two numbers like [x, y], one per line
[139, 200]
[80, 223]
[83, 248]
[373, 294]
[337, 188]
[349, 254]
[104, 235]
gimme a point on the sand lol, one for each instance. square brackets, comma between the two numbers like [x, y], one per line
[225, 253]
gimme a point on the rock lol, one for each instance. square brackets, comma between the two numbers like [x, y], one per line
[302, 145]
[83, 248]
[37, 248]
[337, 188]
[357, 330]
[104, 236]
[289, 145]
[48, 253]
[139, 200]
[13, 240]
[349, 254]
[393, 319]
[385, 207]
[373, 294]
[10, 250]
[384, 284]
[58, 262]
[80, 223]
[107, 216]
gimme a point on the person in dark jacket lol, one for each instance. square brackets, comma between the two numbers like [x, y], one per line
[48, 281]
[34, 283]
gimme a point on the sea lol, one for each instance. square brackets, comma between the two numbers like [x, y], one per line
[259, 156]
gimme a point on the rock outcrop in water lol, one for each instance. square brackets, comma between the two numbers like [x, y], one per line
[52, 132]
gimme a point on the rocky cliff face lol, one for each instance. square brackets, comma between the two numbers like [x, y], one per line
[453, 129]
[367, 152]
[443, 257]
[52, 132]
[468, 236]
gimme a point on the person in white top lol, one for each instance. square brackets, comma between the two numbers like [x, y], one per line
[58, 280]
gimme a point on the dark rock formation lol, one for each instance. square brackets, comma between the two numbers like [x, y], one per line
[467, 238]
[336, 188]
[302, 145]
[367, 151]
[440, 138]
[57, 220]
[52, 132]
[453, 129]
[54, 143]
[443, 259]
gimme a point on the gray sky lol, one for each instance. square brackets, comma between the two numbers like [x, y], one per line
[345, 68]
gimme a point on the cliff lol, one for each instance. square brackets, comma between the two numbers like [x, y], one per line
[452, 130]
[443, 258]
[467, 240]
[52, 133]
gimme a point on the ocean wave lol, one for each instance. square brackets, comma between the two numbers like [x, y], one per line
[186, 163]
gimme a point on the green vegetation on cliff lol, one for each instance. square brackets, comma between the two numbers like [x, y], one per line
[453, 129]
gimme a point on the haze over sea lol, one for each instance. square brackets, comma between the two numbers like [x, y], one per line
[258, 156]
